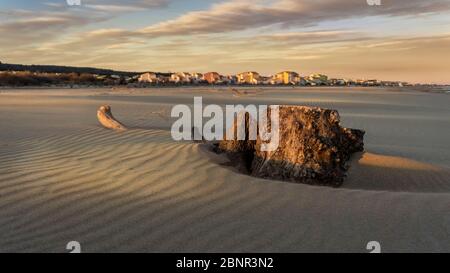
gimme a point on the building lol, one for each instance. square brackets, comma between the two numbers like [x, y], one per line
[248, 78]
[196, 78]
[185, 77]
[266, 80]
[174, 78]
[317, 79]
[227, 80]
[148, 77]
[302, 81]
[338, 82]
[286, 77]
[212, 77]
[180, 77]
[371, 83]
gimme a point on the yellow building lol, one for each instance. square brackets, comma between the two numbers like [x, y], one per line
[248, 78]
[286, 77]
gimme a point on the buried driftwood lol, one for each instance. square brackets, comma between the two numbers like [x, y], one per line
[106, 118]
[313, 148]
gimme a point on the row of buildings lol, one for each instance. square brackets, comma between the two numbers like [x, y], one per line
[254, 78]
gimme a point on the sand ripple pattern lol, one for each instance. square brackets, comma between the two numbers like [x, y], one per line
[139, 191]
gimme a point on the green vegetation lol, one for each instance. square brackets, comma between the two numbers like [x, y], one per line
[46, 79]
[63, 69]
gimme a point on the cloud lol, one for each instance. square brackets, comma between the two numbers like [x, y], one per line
[124, 6]
[290, 39]
[99, 40]
[112, 5]
[236, 15]
[22, 28]
[93, 41]
[28, 28]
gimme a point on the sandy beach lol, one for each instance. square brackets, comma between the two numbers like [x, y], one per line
[65, 178]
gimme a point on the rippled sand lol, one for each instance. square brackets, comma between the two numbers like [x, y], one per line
[64, 178]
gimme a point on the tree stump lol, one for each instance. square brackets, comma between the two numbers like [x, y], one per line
[313, 148]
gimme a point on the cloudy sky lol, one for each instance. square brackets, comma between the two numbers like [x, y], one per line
[399, 40]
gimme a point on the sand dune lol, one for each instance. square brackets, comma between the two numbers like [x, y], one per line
[388, 173]
[64, 178]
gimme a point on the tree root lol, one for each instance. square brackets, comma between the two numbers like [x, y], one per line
[107, 120]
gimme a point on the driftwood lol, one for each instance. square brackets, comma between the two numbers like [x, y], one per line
[106, 118]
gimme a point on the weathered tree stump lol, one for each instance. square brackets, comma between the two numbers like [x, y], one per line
[107, 120]
[313, 148]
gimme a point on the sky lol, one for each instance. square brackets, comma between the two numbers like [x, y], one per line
[405, 40]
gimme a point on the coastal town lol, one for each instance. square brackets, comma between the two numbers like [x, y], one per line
[254, 78]
[38, 75]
